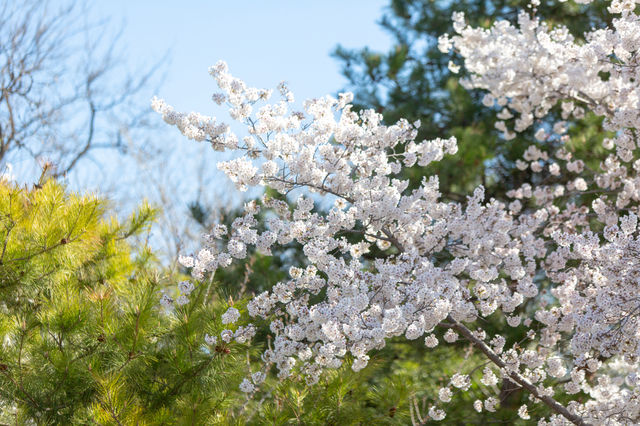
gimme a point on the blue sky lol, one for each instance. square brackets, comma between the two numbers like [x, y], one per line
[263, 42]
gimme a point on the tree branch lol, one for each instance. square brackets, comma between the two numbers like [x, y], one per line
[550, 402]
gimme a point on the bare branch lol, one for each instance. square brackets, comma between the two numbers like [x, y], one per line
[63, 89]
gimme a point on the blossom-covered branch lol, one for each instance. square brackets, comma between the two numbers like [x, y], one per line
[573, 231]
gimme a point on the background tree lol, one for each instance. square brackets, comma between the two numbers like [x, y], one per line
[64, 89]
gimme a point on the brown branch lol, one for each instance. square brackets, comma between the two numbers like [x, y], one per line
[87, 145]
[19, 386]
[516, 377]
[46, 249]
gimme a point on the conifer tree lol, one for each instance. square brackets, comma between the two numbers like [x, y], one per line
[84, 337]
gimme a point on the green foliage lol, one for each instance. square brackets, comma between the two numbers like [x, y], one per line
[401, 381]
[84, 338]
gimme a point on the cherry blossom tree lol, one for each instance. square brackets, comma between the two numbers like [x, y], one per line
[558, 257]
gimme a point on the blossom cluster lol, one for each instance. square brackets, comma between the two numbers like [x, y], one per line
[548, 258]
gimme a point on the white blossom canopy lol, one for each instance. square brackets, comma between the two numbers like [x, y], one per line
[448, 264]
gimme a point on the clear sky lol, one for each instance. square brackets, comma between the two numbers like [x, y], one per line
[263, 42]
